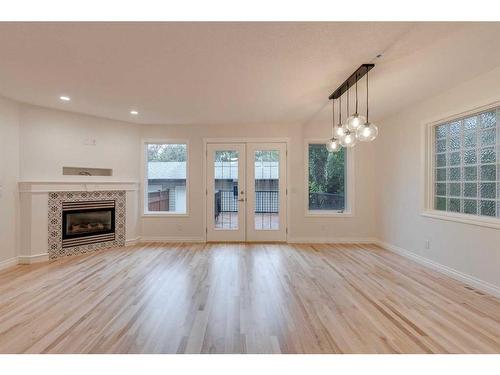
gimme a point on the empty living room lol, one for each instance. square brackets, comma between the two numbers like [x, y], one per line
[256, 186]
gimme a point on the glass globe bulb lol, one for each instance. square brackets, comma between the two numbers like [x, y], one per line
[348, 140]
[333, 145]
[355, 121]
[368, 132]
[339, 131]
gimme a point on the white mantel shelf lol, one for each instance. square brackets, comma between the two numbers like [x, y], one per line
[47, 186]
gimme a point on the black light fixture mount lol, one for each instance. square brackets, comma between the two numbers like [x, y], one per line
[351, 81]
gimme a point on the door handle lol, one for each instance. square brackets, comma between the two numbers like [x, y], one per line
[241, 200]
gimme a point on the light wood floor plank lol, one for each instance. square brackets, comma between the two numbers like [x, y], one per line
[242, 298]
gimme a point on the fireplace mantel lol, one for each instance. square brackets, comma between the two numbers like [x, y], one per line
[48, 186]
[34, 198]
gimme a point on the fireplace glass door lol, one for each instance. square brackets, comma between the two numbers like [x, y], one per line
[88, 223]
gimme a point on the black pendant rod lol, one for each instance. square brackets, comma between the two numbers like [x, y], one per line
[367, 118]
[340, 112]
[349, 82]
[356, 112]
[333, 119]
[348, 113]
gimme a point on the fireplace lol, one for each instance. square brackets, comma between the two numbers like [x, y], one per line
[87, 222]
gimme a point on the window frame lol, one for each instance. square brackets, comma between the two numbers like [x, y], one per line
[159, 214]
[349, 181]
[428, 161]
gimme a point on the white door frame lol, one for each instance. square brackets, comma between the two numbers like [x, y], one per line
[245, 140]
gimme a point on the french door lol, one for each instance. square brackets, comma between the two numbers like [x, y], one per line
[246, 192]
[226, 192]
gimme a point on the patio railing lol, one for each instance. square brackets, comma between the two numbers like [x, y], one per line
[326, 201]
[266, 201]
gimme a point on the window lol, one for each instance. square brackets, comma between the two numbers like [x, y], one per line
[326, 178]
[166, 180]
[466, 165]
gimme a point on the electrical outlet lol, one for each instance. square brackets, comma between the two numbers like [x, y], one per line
[89, 142]
[427, 244]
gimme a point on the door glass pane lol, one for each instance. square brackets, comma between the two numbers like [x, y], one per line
[226, 190]
[266, 215]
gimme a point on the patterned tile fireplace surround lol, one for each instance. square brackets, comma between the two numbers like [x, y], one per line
[57, 246]
[61, 218]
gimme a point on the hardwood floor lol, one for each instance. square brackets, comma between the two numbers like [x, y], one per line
[242, 298]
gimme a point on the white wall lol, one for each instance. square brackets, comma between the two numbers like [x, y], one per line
[469, 249]
[192, 226]
[51, 139]
[301, 228]
[9, 176]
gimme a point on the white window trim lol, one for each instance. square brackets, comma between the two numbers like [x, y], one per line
[428, 161]
[144, 211]
[349, 199]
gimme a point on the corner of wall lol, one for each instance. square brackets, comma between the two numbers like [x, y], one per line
[9, 178]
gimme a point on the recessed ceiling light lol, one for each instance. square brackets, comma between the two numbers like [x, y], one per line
[65, 98]
[133, 112]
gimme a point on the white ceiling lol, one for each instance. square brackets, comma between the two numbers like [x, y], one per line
[234, 73]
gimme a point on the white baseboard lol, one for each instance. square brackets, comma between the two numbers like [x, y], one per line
[290, 240]
[458, 275]
[8, 263]
[331, 240]
[132, 241]
[171, 239]
[30, 259]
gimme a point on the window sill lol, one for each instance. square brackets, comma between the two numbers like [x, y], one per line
[464, 219]
[328, 214]
[163, 215]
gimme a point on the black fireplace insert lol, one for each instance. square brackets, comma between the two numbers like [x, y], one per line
[84, 222]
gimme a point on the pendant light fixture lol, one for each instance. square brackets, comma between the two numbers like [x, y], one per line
[356, 127]
[333, 144]
[355, 121]
[339, 129]
[368, 131]
[348, 139]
